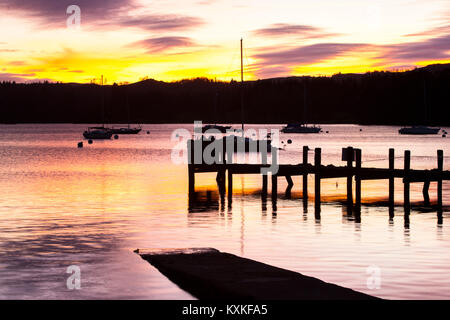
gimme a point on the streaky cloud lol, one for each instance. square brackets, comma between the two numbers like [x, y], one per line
[437, 48]
[162, 44]
[98, 14]
[301, 31]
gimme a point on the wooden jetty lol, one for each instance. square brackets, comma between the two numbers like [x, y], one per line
[209, 274]
[225, 168]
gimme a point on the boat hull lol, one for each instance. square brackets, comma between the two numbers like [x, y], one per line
[419, 131]
[97, 135]
[301, 129]
[221, 129]
[126, 130]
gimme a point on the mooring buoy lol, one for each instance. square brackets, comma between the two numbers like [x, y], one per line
[116, 137]
[289, 141]
[90, 141]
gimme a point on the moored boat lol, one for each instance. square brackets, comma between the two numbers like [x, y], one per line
[126, 130]
[300, 128]
[222, 129]
[97, 133]
[419, 130]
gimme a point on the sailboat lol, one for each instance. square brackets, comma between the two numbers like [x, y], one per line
[99, 133]
[247, 141]
[421, 130]
[241, 140]
[301, 127]
[221, 129]
[128, 129]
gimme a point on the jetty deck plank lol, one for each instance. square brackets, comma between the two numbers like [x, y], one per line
[214, 275]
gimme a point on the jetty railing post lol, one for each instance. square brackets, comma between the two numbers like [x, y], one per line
[391, 182]
[406, 183]
[264, 161]
[358, 181]
[317, 166]
[290, 183]
[221, 172]
[191, 165]
[230, 186]
[440, 160]
[264, 184]
[305, 174]
[274, 186]
[426, 196]
[349, 178]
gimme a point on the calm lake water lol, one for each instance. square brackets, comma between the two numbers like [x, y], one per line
[91, 207]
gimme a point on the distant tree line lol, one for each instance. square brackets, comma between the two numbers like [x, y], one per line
[419, 96]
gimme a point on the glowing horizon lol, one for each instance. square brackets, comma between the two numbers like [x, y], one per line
[127, 40]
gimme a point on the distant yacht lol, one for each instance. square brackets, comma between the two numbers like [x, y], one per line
[98, 133]
[248, 141]
[126, 130]
[419, 130]
[222, 129]
[241, 140]
[302, 127]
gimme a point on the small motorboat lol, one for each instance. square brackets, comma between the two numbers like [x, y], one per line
[419, 130]
[300, 128]
[98, 133]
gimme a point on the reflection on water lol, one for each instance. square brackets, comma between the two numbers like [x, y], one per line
[92, 207]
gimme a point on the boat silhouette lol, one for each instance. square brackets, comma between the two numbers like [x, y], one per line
[421, 130]
[302, 127]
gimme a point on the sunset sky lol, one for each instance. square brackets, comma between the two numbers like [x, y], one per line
[126, 40]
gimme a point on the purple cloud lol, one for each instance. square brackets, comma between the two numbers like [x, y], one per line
[431, 49]
[155, 45]
[97, 14]
[283, 29]
[15, 77]
[156, 22]
[308, 54]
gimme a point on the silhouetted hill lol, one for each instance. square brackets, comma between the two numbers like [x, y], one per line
[371, 98]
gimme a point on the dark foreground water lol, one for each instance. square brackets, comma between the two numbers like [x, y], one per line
[91, 207]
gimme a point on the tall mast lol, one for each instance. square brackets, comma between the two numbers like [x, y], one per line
[304, 104]
[425, 101]
[242, 87]
[103, 102]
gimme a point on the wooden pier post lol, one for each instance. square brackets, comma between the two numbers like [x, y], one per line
[358, 182]
[440, 160]
[406, 183]
[290, 183]
[426, 196]
[221, 173]
[230, 184]
[305, 175]
[274, 186]
[349, 179]
[391, 182]
[317, 166]
[264, 184]
[191, 166]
